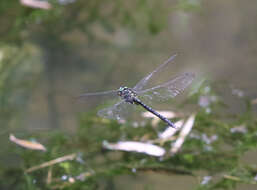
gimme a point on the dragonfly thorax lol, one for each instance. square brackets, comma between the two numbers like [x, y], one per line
[127, 94]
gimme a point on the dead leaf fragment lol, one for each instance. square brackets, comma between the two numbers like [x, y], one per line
[27, 144]
[36, 4]
[183, 134]
[134, 146]
[170, 131]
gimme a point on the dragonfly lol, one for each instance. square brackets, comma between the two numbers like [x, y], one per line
[134, 96]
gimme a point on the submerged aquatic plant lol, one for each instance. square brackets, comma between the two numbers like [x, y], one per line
[102, 150]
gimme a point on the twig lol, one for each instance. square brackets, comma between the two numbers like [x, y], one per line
[234, 178]
[49, 176]
[164, 170]
[52, 162]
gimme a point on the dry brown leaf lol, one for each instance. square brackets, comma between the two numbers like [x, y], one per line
[27, 144]
[183, 133]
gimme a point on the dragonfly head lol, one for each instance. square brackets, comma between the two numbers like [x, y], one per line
[127, 94]
[121, 90]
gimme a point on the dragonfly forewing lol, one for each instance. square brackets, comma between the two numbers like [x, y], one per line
[143, 82]
[169, 89]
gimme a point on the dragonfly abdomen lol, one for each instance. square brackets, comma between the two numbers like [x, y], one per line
[137, 101]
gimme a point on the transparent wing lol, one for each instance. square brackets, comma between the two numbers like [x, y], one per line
[169, 89]
[118, 111]
[143, 82]
[105, 93]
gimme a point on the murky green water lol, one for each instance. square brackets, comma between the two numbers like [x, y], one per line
[217, 42]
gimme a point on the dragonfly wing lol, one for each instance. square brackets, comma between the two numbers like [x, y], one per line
[118, 111]
[169, 89]
[105, 93]
[143, 82]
